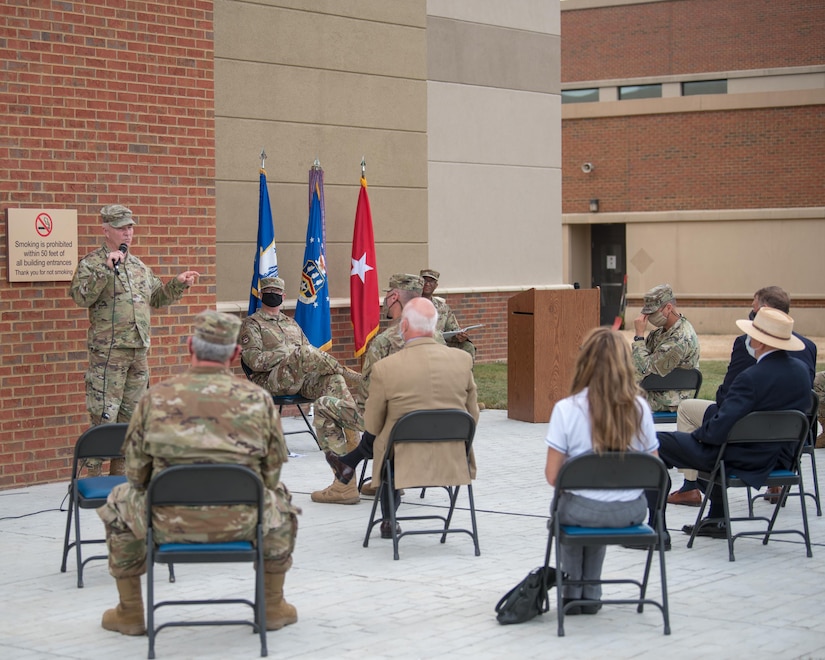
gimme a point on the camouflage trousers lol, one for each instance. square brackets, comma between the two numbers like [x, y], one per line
[819, 388]
[124, 516]
[333, 413]
[466, 346]
[115, 381]
[316, 375]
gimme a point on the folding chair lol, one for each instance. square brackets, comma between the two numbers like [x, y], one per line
[778, 426]
[206, 485]
[105, 442]
[678, 379]
[611, 471]
[290, 400]
[433, 427]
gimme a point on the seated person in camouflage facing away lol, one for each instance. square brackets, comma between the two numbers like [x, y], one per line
[206, 415]
[284, 362]
[447, 321]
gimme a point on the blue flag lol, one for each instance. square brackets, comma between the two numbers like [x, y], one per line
[266, 261]
[312, 308]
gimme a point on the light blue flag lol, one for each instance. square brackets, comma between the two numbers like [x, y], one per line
[312, 308]
[266, 260]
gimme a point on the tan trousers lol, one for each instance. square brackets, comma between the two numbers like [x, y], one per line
[689, 418]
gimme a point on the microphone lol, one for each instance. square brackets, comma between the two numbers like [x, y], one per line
[123, 248]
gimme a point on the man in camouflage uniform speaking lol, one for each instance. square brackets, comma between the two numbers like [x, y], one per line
[672, 345]
[118, 289]
[447, 322]
[206, 415]
[284, 362]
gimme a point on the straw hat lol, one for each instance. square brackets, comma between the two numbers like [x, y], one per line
[772, 327]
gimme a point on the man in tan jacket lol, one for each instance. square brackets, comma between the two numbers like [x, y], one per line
[425, 375]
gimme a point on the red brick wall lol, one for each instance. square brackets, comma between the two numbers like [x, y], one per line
[101, 102]
[690, 36]
[701, 160]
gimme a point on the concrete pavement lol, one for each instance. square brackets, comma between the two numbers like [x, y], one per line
[437, 600]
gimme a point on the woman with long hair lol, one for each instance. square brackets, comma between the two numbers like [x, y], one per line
[605, 412]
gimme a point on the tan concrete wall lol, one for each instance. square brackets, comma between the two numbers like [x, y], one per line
[327, 80]
[494, 118]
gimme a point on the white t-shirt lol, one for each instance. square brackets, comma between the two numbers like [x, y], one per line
[569, 433]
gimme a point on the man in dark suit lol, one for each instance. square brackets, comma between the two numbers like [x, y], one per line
[775, 382]
[694, 412]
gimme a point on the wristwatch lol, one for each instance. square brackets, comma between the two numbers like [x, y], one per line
[638, 338]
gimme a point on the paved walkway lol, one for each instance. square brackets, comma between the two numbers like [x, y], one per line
[438, 600]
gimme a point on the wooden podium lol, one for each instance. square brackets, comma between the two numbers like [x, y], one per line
[544, 331]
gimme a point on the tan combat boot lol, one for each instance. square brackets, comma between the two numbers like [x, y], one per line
[93, 467]
[351, 377]
[117, 467]
[127, 617]
[820, 439]
[337, 493]
[353, 439]
[279, 613]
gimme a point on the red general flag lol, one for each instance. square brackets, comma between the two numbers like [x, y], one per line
[365, 309]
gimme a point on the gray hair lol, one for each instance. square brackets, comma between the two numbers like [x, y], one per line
[419, 322]
[209, 352]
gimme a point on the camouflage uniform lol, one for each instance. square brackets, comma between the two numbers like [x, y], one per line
[119, 330]
[206, 415]
[662, 352]
[284, 362]
[447, 322]
[819, 388]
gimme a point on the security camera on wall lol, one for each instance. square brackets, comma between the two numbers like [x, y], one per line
[587, 168]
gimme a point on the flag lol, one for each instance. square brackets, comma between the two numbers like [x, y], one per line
[312, 308]
[365, 309]
[266, 261]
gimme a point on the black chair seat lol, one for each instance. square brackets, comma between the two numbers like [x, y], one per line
[678, 379]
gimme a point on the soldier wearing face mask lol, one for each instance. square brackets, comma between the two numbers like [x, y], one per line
[672, 345]
[284, 362]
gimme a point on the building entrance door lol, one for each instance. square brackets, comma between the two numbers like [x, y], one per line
[608, 269]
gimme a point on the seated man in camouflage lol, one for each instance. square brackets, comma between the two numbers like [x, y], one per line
[206, 415]
[284, 362]
[447, 321]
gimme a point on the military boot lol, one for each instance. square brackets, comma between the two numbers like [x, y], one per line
[353, 439]
[337, 493]
[117, 467]
[820, 439]
[279, 613]
[127, 617]
[93, 467]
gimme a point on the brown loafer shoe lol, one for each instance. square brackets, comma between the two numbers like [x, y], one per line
[343, 473]
[773, 493]
[686, 497]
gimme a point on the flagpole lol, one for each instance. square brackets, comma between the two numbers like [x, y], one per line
[263, 158]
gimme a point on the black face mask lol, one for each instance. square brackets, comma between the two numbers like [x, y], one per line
[272, 299]
[752, 315]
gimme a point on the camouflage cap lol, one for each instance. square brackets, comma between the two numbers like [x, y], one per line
[428, 272]
[657, 297]
[117, 215]
[270, 283]
[406, 282]
[217, 327]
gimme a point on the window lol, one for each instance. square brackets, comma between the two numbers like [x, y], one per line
[640, 92]
[580, 95]
[704, 87]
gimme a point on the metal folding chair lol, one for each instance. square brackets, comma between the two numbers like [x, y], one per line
[104, 442]
[611, 471]
[206, 485]
[290, 400]
[434, 427]
[678, 379]
[779, 426]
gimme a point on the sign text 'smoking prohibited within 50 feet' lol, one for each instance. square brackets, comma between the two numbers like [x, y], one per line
[42, 245]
